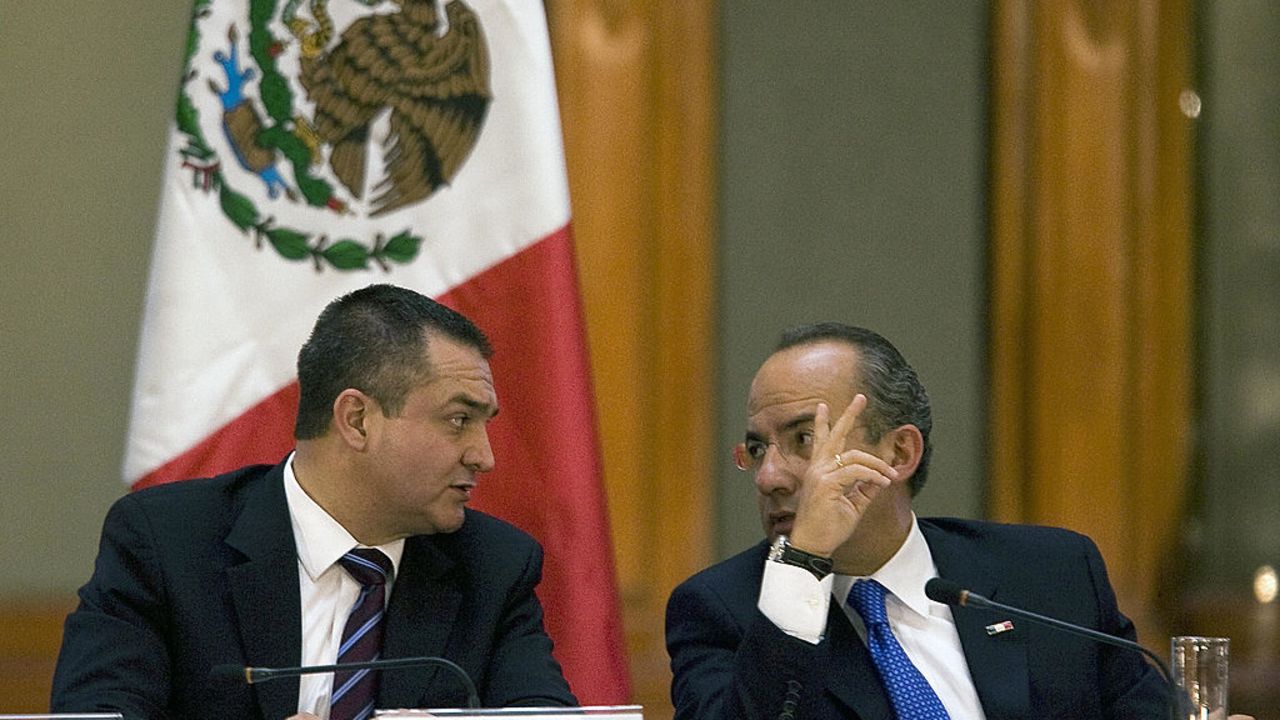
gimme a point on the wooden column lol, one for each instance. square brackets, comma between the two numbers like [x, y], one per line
[637, 96]
[1091, 278]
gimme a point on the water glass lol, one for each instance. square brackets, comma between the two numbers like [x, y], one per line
[1200, 673]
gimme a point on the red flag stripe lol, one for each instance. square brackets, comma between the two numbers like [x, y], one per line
[263, 434]
[546, 449]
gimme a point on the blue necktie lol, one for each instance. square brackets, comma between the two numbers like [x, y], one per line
[354, 692]
[909, 692]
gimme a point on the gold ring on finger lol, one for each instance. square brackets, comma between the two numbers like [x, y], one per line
[839, 461]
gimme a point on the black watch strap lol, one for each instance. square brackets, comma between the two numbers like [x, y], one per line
[787, 554]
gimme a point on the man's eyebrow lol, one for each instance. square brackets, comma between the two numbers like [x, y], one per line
[792, 424]
[477, 405]
[806, 419]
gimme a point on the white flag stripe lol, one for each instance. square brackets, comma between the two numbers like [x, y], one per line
[224, 318]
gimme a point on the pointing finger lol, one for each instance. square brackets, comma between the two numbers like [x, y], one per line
[821, 429]
[840, 432]
[828, 442]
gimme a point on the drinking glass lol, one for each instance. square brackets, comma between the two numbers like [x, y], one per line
[1200, 673]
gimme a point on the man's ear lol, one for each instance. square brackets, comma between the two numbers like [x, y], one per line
[907, 450]
[352, 413]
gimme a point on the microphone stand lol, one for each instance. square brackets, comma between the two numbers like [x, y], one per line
[253, 675]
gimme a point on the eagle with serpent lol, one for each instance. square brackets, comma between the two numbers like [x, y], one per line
[406, 84]
[427, 64]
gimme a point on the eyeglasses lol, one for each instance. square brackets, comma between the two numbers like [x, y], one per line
[795, 446]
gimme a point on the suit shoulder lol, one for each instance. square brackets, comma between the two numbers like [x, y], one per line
[189, 508]
[493, 552]
[187, 491]
[482, 524]
[484, 534]
[736, 576]
[1021, 538]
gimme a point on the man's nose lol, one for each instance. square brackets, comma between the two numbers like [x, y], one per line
[774, 473]
[479, 457]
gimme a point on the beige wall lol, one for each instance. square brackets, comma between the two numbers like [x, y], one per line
[852, 189]
[86, 90]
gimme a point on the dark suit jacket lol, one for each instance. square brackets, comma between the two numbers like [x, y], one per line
[730, 661]
[205, 572]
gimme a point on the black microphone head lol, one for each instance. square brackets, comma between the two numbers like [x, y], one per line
[944, 591]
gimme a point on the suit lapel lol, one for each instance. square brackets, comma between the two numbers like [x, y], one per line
[997, 663]
[850, 674]
[264, 590]
[423, 607]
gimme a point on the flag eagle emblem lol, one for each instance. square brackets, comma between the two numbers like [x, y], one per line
[332, 114]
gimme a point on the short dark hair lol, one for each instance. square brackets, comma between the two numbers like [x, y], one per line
[374, 340]
[895, 396]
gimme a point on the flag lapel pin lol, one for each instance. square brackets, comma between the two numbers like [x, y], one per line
[997, 628]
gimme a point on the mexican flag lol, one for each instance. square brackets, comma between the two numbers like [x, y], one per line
[323, 145]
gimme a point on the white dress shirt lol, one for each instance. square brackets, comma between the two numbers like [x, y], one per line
[797, 602]
[328, 591]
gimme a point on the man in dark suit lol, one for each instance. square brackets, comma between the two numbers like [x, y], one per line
[251, 567]
[827, 618]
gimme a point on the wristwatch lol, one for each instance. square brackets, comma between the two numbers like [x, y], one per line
[787, 554]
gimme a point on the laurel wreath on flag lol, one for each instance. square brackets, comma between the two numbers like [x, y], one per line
[277, 99]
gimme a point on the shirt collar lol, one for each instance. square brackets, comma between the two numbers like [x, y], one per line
[321, 539]
[904, 574]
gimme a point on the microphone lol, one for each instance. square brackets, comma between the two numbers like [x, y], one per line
[251, 675]
[949, 593]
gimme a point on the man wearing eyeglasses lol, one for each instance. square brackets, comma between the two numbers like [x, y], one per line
[827, 617]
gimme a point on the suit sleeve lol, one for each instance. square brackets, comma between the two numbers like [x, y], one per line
[726, 668]
[1129, 686]
[521, 670]
[114, 656]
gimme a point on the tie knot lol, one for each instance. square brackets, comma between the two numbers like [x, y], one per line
[368, 566]
[867, 597]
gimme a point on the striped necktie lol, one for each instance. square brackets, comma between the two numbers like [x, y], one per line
[909, 692]
[354, 692]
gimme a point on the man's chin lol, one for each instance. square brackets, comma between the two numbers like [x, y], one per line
[443, 525]
[453, 524]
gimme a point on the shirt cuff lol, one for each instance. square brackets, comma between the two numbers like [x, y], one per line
[796, 601]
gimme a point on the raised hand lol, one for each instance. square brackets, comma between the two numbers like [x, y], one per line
[839, 483]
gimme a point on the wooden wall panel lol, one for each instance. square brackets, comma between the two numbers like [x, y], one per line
[1091, 278]
[30, 634]
[637, 99]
